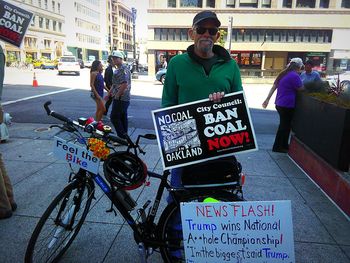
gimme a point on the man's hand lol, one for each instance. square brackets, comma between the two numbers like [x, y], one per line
[216, 96]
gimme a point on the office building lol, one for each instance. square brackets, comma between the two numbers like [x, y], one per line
[265, 33]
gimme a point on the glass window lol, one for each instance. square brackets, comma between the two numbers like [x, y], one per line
[46, 4]
[287, 3]
[164, 34]
[39, 3]
[171, 34]
[306, 3]
[54, 25]
[33, 21]
[248, 3]
[276, 35]
[324, 3]
[254, 36]
[59, 8]
[291, 36]
[53, 6]
[345, 3]
[177, 34]
[47, 23]
[171, 3]
[41, 22]
[211, 3]
[266, 3]
[184, 34]
[306, 35]
[230, 3]
[283, 36]
[190, 3]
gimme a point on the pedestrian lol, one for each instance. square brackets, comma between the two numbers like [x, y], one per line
[287, 83]
[97, 86]
[309, 75]
[121, 85]
[205, 70]
[7, 201]
[108, 81]
[165, 64]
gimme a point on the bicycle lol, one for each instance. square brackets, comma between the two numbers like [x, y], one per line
[63, 218]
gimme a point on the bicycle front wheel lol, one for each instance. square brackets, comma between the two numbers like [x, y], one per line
[170, 228]
[60, 223]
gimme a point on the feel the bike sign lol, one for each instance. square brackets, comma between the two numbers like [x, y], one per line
[203, 130]
[76, 154]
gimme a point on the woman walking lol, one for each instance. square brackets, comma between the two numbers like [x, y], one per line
[287, 83]
[97, 87]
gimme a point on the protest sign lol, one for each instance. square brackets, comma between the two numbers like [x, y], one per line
[204, 130]
[76, 154]
[240, 232]
[14, 22]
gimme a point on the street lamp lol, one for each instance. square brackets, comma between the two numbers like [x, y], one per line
[134, 64]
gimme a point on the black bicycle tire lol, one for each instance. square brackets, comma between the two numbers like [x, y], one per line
[172, 208]
[89, 187]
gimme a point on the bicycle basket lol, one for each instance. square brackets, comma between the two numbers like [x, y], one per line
[124, 170]
[219, 172]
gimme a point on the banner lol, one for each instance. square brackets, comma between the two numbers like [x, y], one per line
[14, 22]
[242, 232]
[203, 130]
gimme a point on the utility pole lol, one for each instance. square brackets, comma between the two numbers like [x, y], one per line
[135, 63]
[229, 33]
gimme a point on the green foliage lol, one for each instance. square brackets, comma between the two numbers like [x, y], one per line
[221, 40]
[29, 59]
[323, 92]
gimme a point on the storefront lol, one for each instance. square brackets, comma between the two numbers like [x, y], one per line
[247, 59]
[319, 59]
[165, 55]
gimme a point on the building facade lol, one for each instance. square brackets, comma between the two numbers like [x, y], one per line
[45, 36]
[86, 28]
[121, 27]
[265, 34]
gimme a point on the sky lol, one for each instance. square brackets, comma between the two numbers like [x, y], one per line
[141, 16]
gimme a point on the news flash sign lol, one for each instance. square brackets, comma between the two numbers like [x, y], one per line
[14, 22]
[203, 130]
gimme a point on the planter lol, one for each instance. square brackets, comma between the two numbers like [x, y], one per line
[324, 128]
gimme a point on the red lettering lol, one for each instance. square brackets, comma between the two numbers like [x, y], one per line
[251, 211]
[208, 211]
[226, 141]
[14, 36]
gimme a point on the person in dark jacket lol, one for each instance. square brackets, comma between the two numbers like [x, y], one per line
[108, 81]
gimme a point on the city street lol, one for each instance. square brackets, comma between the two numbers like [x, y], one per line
[70, 95]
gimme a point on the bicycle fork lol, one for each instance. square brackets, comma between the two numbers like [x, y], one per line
[60, 227]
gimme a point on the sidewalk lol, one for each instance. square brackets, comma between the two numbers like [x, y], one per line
[321, 231]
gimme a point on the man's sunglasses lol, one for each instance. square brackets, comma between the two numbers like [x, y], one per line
[202, 30]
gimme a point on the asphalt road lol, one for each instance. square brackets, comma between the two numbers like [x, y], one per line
[69, 95]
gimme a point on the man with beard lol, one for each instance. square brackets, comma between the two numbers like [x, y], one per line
[205, 70]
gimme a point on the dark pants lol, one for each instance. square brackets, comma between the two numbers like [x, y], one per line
[282, 136]
[108, 103]
[119, 117]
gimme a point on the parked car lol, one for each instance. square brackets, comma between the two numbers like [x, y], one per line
[88, 63]
[68, 64]
[160, 75]
[44, 63]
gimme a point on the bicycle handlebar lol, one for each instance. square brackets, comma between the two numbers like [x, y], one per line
[90, 128]
[56, 115]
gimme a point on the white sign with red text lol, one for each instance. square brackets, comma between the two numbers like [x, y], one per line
[240, 232]
[76, 154]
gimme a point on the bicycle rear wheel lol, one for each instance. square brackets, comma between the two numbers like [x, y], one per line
[60, 223]
[170, 228]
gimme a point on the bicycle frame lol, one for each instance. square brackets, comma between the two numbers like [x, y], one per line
[101, 182]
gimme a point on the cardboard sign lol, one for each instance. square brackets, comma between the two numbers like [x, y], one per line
[14, 22]
[76, 154]
[243, 232]
[203, 130]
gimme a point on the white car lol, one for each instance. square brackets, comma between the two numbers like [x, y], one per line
[68, 64]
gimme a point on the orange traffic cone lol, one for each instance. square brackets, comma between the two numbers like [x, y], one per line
[35, 82]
